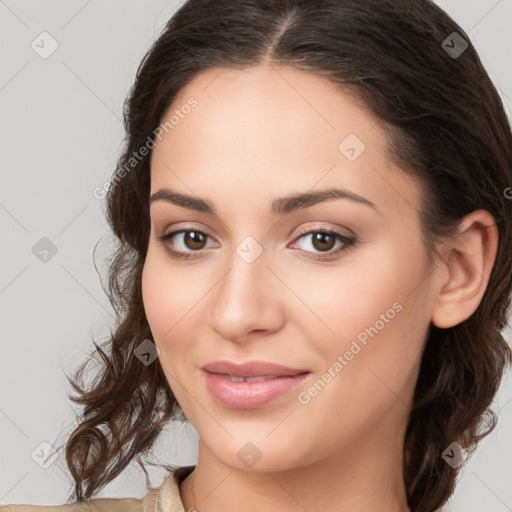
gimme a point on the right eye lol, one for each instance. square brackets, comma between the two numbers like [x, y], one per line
[192, 239]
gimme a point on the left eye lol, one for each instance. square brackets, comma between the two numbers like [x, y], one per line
[324, 240]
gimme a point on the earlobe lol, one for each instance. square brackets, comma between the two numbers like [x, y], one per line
[464, 272]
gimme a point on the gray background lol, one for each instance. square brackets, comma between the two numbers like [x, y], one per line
[61, 134]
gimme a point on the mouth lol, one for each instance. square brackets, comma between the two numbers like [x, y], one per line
[258, 378]
[261, 370]
[254, 391]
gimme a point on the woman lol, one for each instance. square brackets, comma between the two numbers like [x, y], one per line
[314, 261]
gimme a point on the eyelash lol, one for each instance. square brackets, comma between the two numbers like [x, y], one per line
[348, 243]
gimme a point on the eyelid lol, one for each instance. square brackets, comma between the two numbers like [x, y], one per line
[186, 227]
[318, 226]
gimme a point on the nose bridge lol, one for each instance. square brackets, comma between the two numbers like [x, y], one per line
[244, 300]
[247, 266]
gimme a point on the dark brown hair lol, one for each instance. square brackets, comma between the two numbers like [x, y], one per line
[446, 126]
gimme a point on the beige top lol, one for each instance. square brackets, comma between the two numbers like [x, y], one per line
[165, 498]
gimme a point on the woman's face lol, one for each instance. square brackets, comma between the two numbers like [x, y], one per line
[352, 310]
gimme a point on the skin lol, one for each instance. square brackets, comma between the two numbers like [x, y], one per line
[255, 135]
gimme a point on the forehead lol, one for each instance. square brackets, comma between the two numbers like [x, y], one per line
[272, 103]
[270, 128]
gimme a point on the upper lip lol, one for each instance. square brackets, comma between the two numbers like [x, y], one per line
[251, 369]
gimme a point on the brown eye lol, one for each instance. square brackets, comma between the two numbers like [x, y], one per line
[185, 242]
[194, 240]
[323, 241]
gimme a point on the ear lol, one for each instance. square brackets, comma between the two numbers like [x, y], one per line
[463, 272]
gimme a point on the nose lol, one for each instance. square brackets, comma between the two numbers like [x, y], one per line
[247, 299]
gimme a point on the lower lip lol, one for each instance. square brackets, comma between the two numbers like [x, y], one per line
[250, 395]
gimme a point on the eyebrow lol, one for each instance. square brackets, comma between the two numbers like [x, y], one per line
[279, 206]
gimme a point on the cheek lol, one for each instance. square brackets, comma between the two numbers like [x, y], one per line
[174, 298]
[152, 292]
[163, 294]
[164, 308]
[173, 309]
[377, 278]
[384, 328]
[370, 363]
[374, 312]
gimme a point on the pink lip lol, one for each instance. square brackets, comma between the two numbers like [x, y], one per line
[250, 395]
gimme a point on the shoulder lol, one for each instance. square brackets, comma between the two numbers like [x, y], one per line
[92, 505]
[165, 498]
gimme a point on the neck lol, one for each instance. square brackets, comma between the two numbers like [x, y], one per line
[366, 476]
